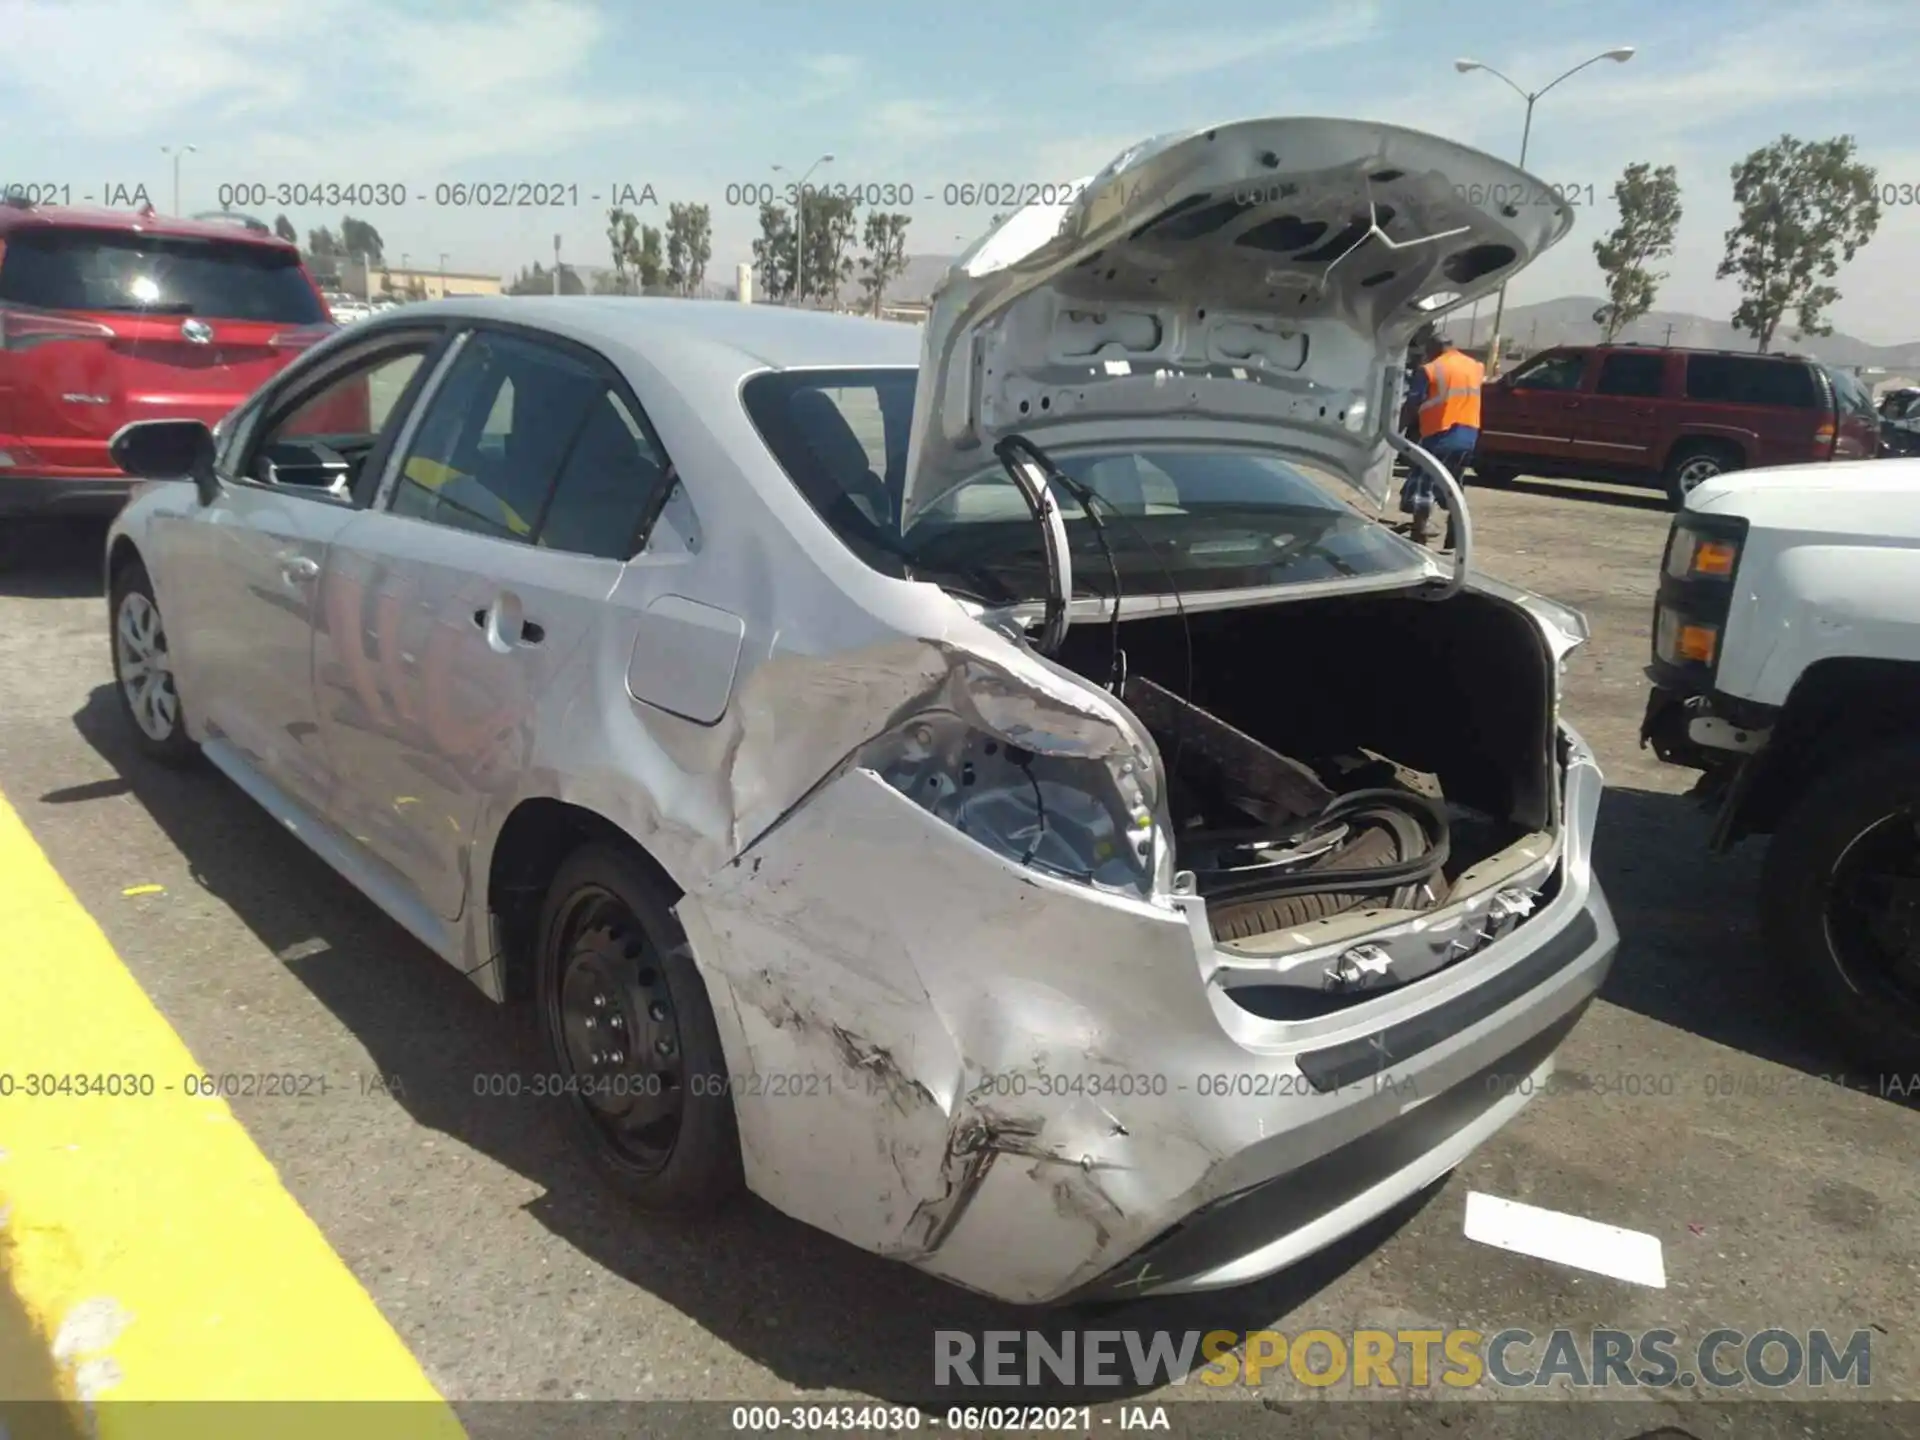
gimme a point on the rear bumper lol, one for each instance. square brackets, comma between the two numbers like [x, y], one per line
[1281, 1220]
[79, 497]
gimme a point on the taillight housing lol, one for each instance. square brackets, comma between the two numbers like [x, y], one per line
[23, 328]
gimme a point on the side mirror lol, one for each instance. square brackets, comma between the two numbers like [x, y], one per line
[168, 450]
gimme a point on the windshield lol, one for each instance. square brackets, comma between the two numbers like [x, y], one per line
[1177, 516]
[117, 270]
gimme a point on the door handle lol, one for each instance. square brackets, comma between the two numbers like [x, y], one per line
[299, 569]
[532, 632]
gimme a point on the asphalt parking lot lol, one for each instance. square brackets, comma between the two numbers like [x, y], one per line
[1691, 1106]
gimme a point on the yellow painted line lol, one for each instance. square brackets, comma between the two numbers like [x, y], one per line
[145, 1238]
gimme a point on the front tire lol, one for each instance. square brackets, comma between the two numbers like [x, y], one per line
[143, 670]
[633, 1037]
[1841, 904]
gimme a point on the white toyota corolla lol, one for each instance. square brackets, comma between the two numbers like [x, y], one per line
[1001, 793]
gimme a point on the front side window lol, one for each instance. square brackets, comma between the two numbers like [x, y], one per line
[492, 442]
[1551, 372]
[321, 439]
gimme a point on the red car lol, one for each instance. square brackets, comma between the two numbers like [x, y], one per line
[112, 316]
[1668, 417]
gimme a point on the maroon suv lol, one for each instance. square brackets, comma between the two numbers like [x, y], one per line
[1668, 417]
[111, 316]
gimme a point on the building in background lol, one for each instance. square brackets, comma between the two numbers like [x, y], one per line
[371, 282]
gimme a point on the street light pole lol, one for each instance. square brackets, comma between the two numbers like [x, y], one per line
[800, 228]
[177, 151]
[443, 274]
[1620, 54]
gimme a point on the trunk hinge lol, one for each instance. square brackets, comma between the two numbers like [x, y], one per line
[1462, 525]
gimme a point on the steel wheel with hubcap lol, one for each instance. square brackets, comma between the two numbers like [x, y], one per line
[143, 666]
[632, 1035]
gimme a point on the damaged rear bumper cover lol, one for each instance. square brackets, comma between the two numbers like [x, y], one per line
[1042, 1093]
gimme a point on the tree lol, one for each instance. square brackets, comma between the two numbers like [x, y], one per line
[649, 263]
[1805, 206]
[886, 257]
[830, 232]
[360, 241]
[689, 245]
[1649, 202]
[532, 280]
[283, 227]
[773, 252]
[623, 240]
[322, 245]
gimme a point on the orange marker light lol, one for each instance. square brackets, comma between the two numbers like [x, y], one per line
[1714, 557]
[1697, 642]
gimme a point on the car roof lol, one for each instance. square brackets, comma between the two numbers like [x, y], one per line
[750, 337]
[15, 217]
[1641, 347]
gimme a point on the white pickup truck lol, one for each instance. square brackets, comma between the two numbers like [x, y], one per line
[1786, 668]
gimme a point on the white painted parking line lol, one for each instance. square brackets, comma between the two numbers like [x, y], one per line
[1566, 1240]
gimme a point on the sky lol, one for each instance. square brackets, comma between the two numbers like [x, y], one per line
[700, 102]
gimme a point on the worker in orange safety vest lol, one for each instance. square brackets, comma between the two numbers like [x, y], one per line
[1447, 389]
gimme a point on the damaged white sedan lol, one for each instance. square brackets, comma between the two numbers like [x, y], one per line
[1011, 804]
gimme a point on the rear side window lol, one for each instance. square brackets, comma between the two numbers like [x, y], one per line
[1744, 380]
[530, 443]
[1551, 372]
[608, 488]
[842, 437]
[122, 271]
[1852, 396]
[1628, 374]
[479, 467]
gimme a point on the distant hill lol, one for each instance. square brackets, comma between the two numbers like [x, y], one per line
[1569, 321]
[1566, 321]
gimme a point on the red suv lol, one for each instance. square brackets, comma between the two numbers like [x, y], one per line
[1668, 417]
[111, 316]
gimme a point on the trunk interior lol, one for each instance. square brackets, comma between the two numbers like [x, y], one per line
[1405, 737]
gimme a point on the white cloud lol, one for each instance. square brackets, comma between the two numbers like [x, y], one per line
[1146, 55]
[266, 84]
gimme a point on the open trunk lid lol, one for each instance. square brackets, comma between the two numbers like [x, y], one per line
[1253, 283]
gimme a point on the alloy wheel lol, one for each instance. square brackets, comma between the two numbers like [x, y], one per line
[146, 670]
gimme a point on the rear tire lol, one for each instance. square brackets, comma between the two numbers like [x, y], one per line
[1694, 463]
[633, 1037]
[1840, 903]
[143, 670]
